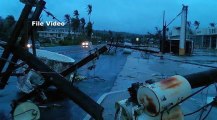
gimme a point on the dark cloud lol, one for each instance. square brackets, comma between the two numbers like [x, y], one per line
[137, 16]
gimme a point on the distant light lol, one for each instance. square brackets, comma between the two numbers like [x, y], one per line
[28, 45]
[137, 39]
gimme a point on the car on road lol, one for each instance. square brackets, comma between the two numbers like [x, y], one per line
[86, 44]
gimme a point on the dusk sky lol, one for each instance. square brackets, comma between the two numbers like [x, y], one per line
[135, 16]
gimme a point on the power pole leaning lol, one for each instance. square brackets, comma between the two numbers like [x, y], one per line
[163, 39]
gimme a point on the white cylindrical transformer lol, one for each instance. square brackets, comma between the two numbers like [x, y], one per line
[162, 95]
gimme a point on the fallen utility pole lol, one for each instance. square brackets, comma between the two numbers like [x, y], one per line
[196, 80]
[15, 34]
[84, 101]
[39, 7]
[202, 78]
[71, 69]
[163, 38]
[84, 61]
[134, 48]
[19, 52]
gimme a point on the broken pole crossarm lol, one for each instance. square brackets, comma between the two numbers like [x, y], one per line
[15, 33]
[84, 101]
[84, 61]
[36, 15]
[134, 48]
[202, 78]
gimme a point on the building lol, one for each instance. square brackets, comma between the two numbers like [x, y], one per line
[55, 33]
[174, 34]
[202, 37]
[172, 44]
[206, 38]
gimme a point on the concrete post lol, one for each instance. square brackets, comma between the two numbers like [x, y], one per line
[183, 31]
[210, 42]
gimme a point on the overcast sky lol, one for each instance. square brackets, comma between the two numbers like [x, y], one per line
[135, 16]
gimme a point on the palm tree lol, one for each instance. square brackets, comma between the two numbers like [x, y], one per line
[188, 24]
[83, 22]
[10, 21]
[196, 24]
[75, 24]
[1, 26]
[68, 22]
[189, 29]
[75, 21]
[89, 10]
[212, 24]
[89, 29]
[76, 14]
[1, 22]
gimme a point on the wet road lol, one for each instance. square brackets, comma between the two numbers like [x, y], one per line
[139, 69]
[99, 80]
[113, 73]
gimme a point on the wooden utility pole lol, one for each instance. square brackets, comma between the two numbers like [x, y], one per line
[163, 39]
